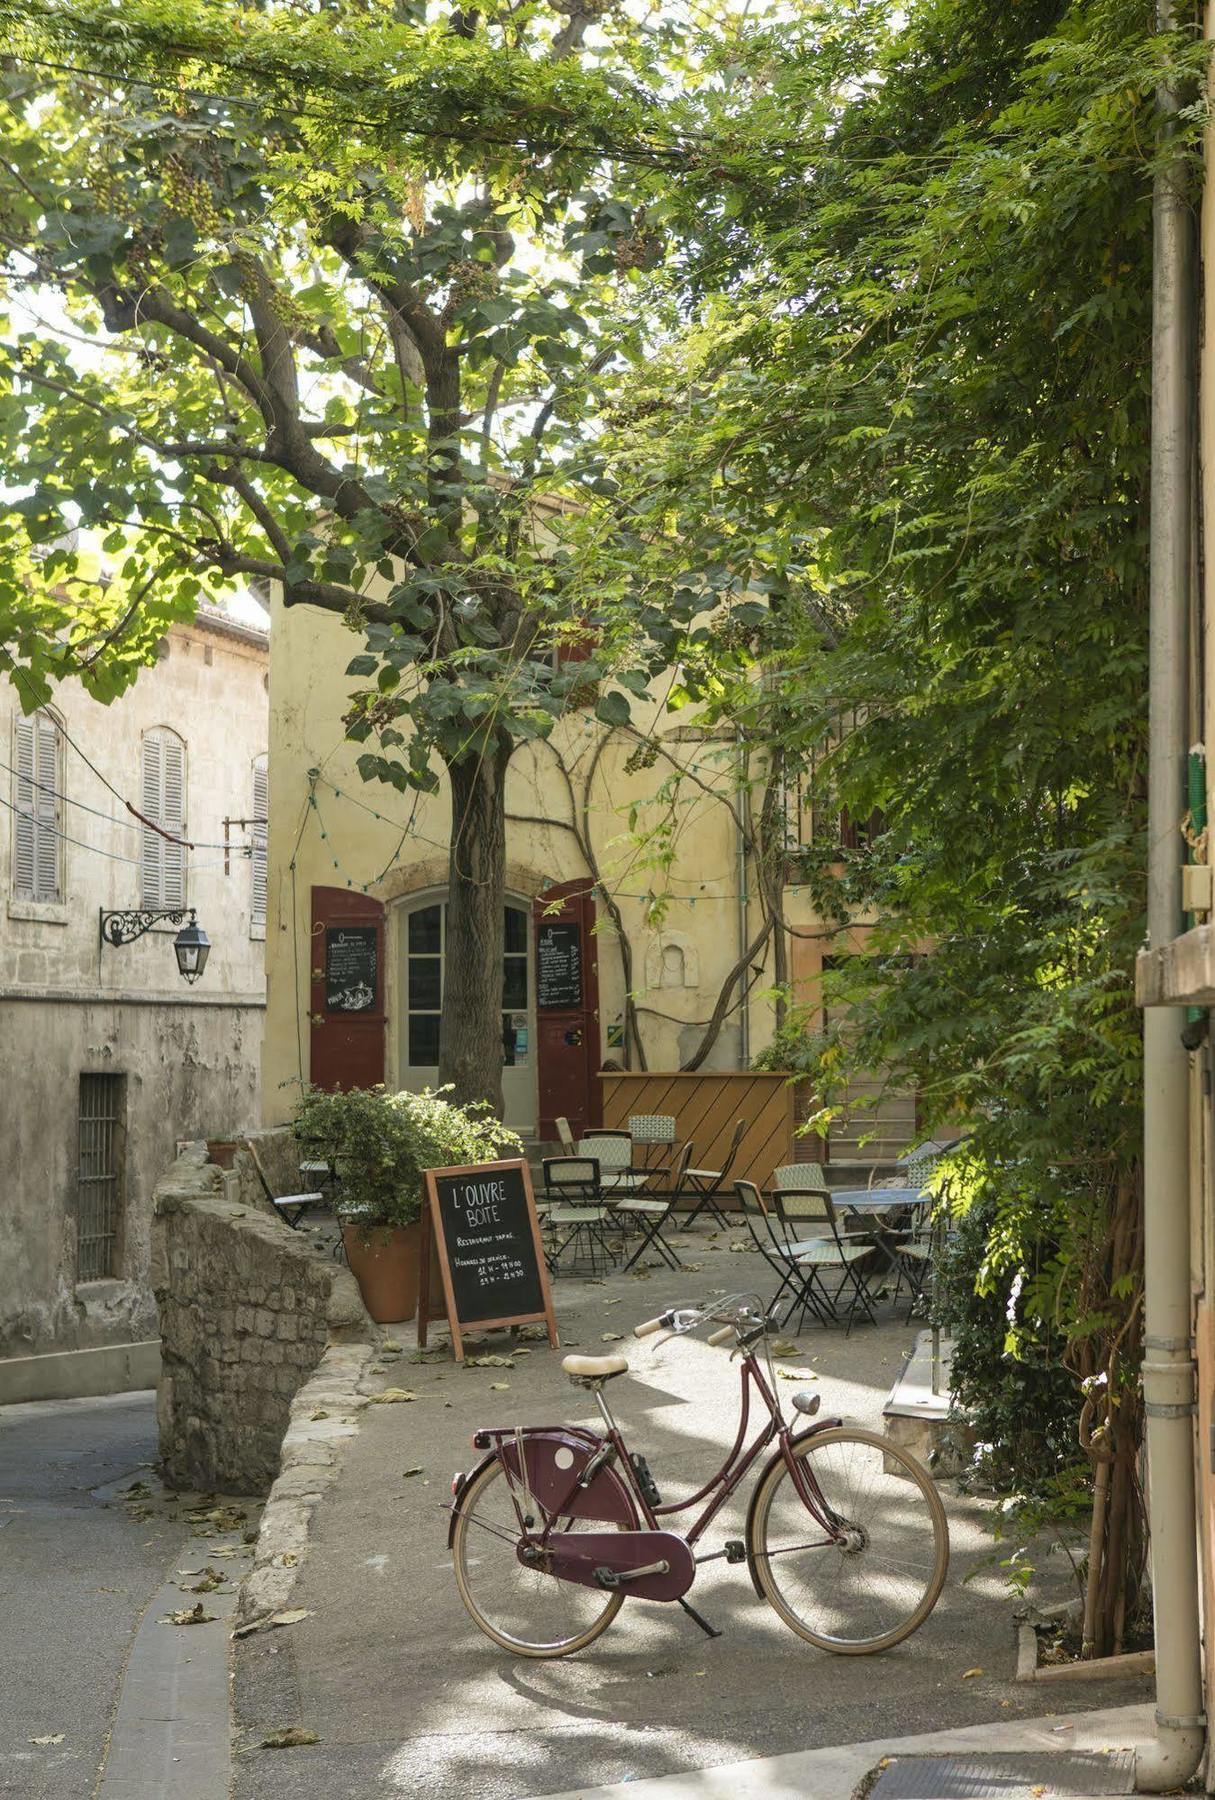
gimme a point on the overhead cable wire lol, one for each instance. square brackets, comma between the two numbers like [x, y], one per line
[19, 675]
[18, 812]
[122, 824]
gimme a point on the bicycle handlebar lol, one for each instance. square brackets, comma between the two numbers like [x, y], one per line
[650, 1326]
[721, 1337]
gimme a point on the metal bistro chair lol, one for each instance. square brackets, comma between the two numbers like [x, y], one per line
[573, 1206]
[289, 1207]
[913, 1249]
[654, 1212]
[652, 1131]
[775, 1252]
[708, 1185]
[816, 1252]
[565, 1136]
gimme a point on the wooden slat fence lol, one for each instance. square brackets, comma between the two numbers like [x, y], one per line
[705, 1108]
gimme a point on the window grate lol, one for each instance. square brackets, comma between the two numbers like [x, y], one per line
[99, 1194]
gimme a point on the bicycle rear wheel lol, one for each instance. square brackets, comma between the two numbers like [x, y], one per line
[878, 1579]
[523, 1609]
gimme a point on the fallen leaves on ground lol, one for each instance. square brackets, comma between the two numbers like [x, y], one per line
[194, 1615]
[610, 1337]
[738, 1244]
[291, 1616]
[416, 1470]
[290, 1739]
[969, 1674]
[797, 1374]
[489, 1362]
[52, 1737]
[207, 1582]
[499, 1387]
[320, 1413]
[392, 1396]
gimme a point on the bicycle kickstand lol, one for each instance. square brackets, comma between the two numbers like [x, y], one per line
[700, 1619]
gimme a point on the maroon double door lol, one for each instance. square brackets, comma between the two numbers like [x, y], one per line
[349, 1011]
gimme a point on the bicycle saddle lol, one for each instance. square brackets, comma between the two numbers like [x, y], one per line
[595, 1368]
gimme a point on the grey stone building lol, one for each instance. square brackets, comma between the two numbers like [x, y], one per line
[108, 1057]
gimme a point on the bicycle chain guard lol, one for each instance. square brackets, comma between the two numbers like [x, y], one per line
[606, 1559]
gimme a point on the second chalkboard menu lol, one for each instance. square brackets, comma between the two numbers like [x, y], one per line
[559, 965]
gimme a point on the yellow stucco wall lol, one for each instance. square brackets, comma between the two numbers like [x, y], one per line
[332, 839]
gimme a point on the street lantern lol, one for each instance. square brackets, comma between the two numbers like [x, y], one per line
[191, 946]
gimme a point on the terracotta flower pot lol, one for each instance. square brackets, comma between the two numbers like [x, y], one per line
[384, 1261]
[222, 1151]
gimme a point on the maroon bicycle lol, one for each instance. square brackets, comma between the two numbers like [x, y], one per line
[558, 1525]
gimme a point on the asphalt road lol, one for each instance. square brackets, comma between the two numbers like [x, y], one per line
[79, 1561]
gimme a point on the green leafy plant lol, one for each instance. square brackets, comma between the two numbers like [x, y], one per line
[381, 1143]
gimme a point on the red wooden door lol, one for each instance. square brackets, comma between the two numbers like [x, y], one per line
[567, 1008]
[347, 966]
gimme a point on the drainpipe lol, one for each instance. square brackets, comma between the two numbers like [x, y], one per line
[744, 989]
[1168, 1367]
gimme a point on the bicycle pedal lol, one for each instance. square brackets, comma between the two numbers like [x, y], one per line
[735, 1550]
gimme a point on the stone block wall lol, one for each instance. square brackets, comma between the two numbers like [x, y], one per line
[247, 1309]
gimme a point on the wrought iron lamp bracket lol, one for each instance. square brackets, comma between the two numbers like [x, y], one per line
[125, 926]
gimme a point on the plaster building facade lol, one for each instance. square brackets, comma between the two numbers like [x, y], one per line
[357, 887]
[107, 1056]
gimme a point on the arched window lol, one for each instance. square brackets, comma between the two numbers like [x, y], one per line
[38, 799]
[162, 863]
[258, 830]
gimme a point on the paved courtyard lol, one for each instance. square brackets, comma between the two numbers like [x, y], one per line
[407, 1697]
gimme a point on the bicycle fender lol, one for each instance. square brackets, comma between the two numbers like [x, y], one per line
[556, 1456]
[777, 1456]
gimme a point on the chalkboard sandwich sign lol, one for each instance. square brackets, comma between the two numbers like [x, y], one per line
[483, 1221]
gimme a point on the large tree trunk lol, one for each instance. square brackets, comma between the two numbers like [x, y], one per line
[470, 1033]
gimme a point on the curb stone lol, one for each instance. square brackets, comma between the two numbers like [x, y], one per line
[312, 1454]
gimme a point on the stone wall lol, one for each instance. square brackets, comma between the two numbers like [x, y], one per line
[247, 1310]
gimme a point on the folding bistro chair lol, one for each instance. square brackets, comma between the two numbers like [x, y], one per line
[565, 1136]
[289, 1207]
[775, 1252]
[707, 1186]
[654, 1211]
[652, 1131]
[911, 1253]
[912, 1249]
[573, 1211]
[829, 1248]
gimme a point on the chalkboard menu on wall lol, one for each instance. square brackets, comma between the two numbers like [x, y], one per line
[350, 968]
[483, 1219]
[559, 965]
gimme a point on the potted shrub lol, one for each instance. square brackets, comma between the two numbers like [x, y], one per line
[380, 1143]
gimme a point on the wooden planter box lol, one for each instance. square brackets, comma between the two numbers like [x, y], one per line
[705, 1107]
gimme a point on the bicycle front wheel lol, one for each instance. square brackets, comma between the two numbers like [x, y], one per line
[526, 1611]
[875, 1579]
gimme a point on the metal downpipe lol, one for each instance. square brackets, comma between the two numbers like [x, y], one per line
[1168, 1367]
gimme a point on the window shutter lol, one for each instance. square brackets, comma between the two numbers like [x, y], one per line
[46, 809]
[24, 826]
[151, 843]
[261, 811]
[173, 818]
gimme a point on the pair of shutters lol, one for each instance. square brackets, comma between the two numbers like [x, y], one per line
[162, 865]
[36, 860]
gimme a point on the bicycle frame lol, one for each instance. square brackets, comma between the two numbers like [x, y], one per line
[715, 1492]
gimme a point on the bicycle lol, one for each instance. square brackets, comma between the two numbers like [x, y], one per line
[558, 1525]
